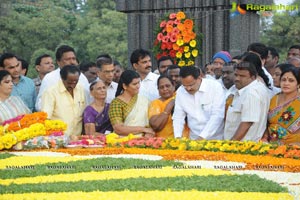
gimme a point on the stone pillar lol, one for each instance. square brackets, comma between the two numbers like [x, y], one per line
[212, 19]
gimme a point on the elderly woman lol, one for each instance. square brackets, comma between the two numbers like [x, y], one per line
[128, 112]
[10, 106]
[284, 112]
[95, 115]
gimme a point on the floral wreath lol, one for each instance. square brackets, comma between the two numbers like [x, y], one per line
[176, 38]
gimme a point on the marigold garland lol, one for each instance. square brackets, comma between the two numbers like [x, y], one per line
[28, 126]
[176, 38]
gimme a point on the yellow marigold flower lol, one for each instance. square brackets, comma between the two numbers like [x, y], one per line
[193, 43]
[181, 63]
[195, 52]
[186, 49]
[182, 146]
[179, 42]
[187, 54]
[175, 143]
[178, 54]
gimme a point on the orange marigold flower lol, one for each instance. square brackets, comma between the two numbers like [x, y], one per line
[175, 46]
[188, 23]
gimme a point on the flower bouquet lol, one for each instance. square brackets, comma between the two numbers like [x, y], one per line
[176, 38]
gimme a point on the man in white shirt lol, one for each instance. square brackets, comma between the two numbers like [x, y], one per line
[246, 117]
[65, 55]
[202, 101]
[141, 62]
[106, 70]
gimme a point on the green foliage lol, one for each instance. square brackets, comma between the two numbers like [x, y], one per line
[283, 32]
[83, 166]
[45, 24]
[231, 183]
[5, 155]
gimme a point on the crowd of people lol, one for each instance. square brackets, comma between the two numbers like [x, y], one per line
[247, 97]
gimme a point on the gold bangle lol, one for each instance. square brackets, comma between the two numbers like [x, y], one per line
[165, 113]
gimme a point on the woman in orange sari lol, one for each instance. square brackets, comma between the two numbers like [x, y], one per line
[284, 112]
[160, 110]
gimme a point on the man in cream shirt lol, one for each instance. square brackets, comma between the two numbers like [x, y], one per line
[65, 100]
[202, 101]
[246, 118]
[65, 55]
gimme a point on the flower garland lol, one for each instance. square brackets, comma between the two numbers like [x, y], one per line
[28, 126]
[176, 38]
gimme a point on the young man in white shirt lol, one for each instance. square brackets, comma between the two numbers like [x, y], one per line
[141, 62]
[202, 101]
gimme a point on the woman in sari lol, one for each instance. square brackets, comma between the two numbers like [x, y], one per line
[160, 110]
[10, 106]
[284, 112]
[128, 112]
[95, 116]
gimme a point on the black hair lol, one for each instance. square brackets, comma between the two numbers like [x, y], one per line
[259, 48]
[126, 78]
[173, 67]
[283, 66]
[189, 71]
[138, 54]
[61, 50]
[3, 73]
[246, 65]
[163, 76]
[296, 46]
[254, 58]
[273, 52]
[68, 69]
[293, 70]
[163, 58]
[84, 66]
[6, 56]
[38, 60]
[24, 64]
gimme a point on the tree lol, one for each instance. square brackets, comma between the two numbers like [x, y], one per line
[91, 27]
[283, 31]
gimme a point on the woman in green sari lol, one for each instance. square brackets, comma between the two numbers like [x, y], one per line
[128, 112]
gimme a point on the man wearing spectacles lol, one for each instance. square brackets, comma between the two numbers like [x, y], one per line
[202, 101]
[106, 70]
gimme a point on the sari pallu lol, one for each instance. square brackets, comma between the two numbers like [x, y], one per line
[284, 121]
[133, 113]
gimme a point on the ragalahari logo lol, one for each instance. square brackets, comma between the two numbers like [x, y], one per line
[236, 10]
